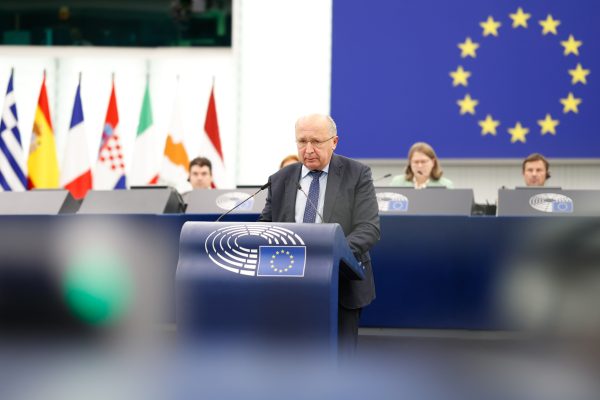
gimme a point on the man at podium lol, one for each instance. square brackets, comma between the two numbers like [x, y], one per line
[329, 188]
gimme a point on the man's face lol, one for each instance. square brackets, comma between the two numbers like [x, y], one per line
[200, 177]
[534, 173]
[315, 142]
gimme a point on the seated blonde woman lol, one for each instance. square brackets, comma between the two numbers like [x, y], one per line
[423, 169]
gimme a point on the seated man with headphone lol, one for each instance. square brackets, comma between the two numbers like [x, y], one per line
[536, 170]
[201, 173]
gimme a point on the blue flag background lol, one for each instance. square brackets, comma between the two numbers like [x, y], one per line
[391, 82]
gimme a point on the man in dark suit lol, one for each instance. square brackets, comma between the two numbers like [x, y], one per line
[342, 191]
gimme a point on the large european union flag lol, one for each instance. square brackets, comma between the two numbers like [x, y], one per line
[281, 261]
[474, 78]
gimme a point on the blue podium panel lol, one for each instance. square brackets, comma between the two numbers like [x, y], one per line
[261, 281]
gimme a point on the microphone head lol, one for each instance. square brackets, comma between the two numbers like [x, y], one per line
[266, 185]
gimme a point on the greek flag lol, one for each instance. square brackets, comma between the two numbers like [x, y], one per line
[12, 177]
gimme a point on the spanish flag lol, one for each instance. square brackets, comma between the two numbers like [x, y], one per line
[42, 164]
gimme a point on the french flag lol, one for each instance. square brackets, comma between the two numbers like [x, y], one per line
[76, 174]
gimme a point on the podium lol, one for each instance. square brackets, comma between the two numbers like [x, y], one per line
[261, 282]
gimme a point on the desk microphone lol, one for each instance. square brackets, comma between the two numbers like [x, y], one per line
[382, 177]
[310, 201]
[263, 187]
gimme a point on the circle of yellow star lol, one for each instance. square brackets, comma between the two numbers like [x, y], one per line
[490, 27]
[467, 105]
[518, 133]
[579, 74]
[571, 45]
[548, 125]
[520, 18]
[570, 103]
[488, 125]
[284, 268]
[549, 25]
[468, 48]
[460, 76]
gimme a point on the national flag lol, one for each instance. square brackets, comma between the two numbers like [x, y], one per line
[42, 165]
[474, 78]
[213, 149]
[76, 174]
[286, 261]
[145, 157]
[12, 177]
[175, 164]
[110, 168]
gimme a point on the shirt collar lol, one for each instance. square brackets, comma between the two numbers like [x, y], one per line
[306, 171]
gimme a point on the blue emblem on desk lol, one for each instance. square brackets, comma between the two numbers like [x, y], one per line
[390, 201]
[281, 261]
[551, 203]
[247, 249]
[229, 200]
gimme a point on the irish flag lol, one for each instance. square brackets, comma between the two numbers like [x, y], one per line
[42, 164]
[145, 156]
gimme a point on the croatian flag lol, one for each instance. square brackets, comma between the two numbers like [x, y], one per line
[110, 168]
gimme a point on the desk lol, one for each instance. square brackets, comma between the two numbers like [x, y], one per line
[431, 272]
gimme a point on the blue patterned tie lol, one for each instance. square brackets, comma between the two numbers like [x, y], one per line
[310, 213]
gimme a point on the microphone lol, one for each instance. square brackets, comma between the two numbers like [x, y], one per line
[310, 202]
[263, 187]
[382, 177]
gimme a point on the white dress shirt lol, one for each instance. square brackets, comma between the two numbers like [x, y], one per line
[301, 199]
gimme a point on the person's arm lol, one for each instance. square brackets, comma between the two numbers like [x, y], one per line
[365, 215]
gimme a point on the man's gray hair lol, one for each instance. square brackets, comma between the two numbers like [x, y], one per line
[332, 126]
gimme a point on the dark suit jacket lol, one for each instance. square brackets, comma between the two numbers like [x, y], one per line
[349, 201]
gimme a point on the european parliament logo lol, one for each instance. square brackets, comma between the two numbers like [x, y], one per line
[281, 261]
[257, 250]
[229, 200]
[390, 201]
[551, 203]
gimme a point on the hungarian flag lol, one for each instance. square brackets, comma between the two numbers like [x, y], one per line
[110, 168]
[12, 177]
[145, 157]
[76, 170]
[174, 169]
[42, 164]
